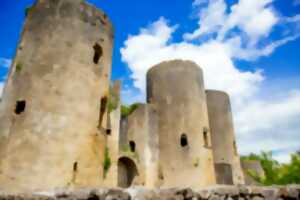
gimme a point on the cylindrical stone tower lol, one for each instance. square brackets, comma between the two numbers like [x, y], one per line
[226, 157]
[176, 89]
[53, 111]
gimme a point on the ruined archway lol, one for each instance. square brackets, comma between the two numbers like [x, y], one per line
[127, 170]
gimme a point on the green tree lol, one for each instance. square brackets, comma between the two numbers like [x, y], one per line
[276, 173]
[127, 110]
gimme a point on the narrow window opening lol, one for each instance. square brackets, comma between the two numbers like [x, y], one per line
[183, 140]
[132, 146]
[205, 137]
[74, 174]
[75, 166]
[160, 174]
[20, 107]
[108, 131]
[235, 148]
[102, 110]
[97, 53]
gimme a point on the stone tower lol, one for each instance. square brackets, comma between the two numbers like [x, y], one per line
[139, 147]
[53, 113]
[226, 157]
[176, 89]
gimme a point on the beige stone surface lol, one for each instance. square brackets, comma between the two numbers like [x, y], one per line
[57, 139]
[61, 124]
[142, 132]
[225, 151]
[176, 89]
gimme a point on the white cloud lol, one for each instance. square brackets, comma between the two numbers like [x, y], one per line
[150, 47]
[284, 157]
[255, 18]
[1, 88]
[211, 19]
[5, 62]
[261, 124]
[269, 124]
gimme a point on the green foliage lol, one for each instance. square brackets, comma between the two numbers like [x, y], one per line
[276, 173]
[127, 152]
[106, 162]
[127, 110]
[19, 67]
[28, 10]
[125, 149]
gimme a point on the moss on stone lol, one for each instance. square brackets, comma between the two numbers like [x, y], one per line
[127, 152]
[106, 162]
[128, 110]
[19, 67]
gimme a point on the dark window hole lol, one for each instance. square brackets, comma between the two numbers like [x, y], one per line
[97, 53]
[132, 146]
[20, 107]
[205, 137]
[102, 110]
[184, 140]
[108, 131]
[75, 166]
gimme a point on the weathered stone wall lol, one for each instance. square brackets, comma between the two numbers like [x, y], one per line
[253, 166]
[140, 144]
[225, 153]
[51, 132]
[212, 193]
[113, 135]
[176, 89]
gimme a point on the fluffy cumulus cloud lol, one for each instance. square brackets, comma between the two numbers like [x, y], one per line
[4, 63]
[226, 34]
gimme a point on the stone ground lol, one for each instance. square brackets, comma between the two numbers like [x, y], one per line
[291, 192]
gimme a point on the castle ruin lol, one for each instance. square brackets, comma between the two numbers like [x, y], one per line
[61, 123]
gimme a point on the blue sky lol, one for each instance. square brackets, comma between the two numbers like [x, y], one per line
[249, 48]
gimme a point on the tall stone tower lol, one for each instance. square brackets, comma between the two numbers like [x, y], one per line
[226, 157]
[176, 90]
[53, 112]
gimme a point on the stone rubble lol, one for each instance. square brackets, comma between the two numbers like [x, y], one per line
[291, 192]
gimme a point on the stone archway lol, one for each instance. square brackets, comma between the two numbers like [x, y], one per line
[127, 170]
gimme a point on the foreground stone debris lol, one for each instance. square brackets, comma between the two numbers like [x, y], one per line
[211, 193]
